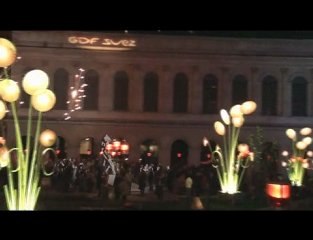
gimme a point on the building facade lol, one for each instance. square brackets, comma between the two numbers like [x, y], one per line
[168, 89]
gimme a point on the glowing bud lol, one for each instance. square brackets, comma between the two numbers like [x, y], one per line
[309, 154]
[47, 138]
[305, 165]
[301, 145]
[43, 101]
[7, 53]
[284, 164]
[205, 141]
[291, 133]
[238, 121]
[307, 140]
[225, 117]
[34, 81]
[285, 153]
[306, 131]
[10, 91]
[2, 109]
[248, 107]
[243, 148]
[219, 128]
[235, 111]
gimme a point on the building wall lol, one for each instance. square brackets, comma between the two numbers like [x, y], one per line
[167, 56]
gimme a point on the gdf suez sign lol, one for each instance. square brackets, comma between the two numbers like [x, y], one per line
[96, 41]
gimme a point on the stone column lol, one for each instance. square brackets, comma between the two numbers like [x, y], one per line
[135, 93]
[165, 151]
[224, 89]
[106, 88]
[195, 92]
[255, 90]
[194, 153]
[166, 90]
[284, 106]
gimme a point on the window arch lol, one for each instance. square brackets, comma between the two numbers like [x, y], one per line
[180, 101]
[151, 92]
[210, 96]
[239, 90]
[299, 97]
[92, 90]
[60, 87]
[121, 91]
[269, 96]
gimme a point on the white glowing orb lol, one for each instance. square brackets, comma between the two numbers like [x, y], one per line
[34, 81]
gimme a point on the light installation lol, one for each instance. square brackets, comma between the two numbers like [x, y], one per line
[21, 193]
[229, 165]
[297, 161]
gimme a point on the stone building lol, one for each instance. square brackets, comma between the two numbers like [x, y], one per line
[167, 90]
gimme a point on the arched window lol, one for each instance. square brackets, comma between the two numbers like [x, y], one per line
[209, 99]
[151, 92]
[92, 90]
[299, 97]
[24, 97]
[61, 86]
[179, 154]
[180, 101]
[121, 91]
[239, 90]
[269, 96]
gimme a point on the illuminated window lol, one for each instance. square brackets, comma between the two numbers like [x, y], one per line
[121, 91]
[180, 103]
[209, 97]
[61, 85]
[239, 90]
[151, 91]
[92, 90]
[299, 97]
[269, 96]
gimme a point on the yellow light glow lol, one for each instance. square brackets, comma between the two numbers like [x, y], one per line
[238, 121]
[7, 53]
[10, 91]
[47, 138]
[235, 111]
[291, 134]
[305, 131]
[301, 145]
[205, 141]
[248, 107]
[43, 101]
[219, 128]
[35, 80]
[243, 148]
[307, 140]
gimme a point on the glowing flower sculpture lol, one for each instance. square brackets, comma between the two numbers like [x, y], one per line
[23, 194]
[297, 162]
[229, 165]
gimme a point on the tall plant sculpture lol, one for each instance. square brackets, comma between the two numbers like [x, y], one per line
[297, 162]
[23, 193]
[231, 166]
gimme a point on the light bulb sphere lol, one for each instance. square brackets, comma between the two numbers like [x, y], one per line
[47, 138]
[34, 81]
[305, 131]
[219, 128]
[248, 107]
[7, 53]
[225, 117]
[238, 121]
[2, 109]
[307, 140]
[235, 111]
[43, 101]
[10, 91]
[291, 133]
[301, 145]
